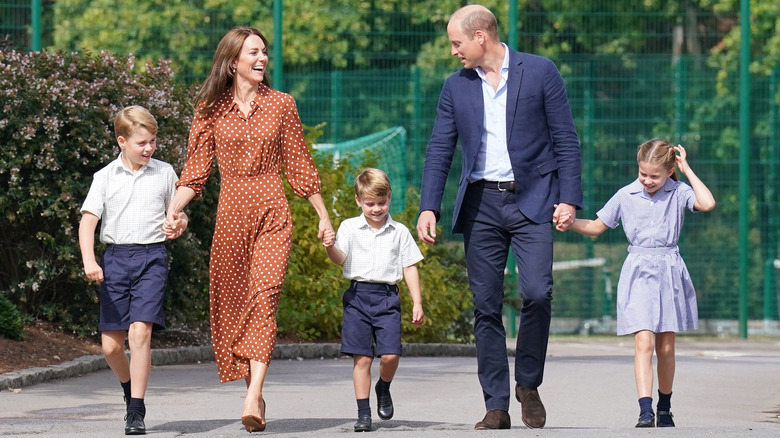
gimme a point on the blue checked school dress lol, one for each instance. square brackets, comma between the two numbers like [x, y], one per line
[655, 291]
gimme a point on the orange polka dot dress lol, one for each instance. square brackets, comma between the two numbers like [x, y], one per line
[253, 234]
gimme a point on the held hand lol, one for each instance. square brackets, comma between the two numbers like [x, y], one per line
[564, 216]
[426, 227]
[93, 271]
[417, 315]
[325, 229]
[174, 224]
[328, 238]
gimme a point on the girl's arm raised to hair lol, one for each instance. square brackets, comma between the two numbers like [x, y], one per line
[588, 227]
[704, 199]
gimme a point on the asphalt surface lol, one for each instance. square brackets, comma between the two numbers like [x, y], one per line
[722, 389]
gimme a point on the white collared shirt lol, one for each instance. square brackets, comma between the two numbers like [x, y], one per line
[131, 206]
[377, 256]
[493, 157]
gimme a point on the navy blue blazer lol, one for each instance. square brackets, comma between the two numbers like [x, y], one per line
[542, 141]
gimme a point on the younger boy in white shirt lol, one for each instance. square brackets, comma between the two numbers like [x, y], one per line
[376, 252]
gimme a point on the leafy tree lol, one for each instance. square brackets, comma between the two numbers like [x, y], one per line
[149, 29]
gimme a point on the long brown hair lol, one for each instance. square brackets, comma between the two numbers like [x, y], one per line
[220, 76]
[658, 152]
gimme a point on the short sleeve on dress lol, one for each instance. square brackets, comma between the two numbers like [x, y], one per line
[687, 196]
[610, 213]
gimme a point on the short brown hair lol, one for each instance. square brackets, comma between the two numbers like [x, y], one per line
[372, 182]
[127, 121]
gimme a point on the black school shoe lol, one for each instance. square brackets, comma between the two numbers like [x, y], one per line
[363, 423]
[665, 419]
[384, 403]
[646, 419]
[134, 424]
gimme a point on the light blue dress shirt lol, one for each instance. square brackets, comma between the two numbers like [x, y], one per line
[493, 157]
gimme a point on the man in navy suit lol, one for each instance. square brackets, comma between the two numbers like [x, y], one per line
[521, 173]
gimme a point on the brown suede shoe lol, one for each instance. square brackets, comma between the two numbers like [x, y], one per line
[534, 414]
[494, 419]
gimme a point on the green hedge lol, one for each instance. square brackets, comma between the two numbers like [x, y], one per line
[56, 131]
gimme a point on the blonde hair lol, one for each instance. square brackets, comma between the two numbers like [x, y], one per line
[658, 152]
[220, 76]
[372, 182]
[476, 17]
[130, 119]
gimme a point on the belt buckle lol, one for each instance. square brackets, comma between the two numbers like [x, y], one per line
[498, 186]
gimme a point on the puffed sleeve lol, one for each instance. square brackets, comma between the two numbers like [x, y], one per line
[200, 153]
[296, 159]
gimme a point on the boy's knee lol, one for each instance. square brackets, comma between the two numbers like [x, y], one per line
[361, 361]
[113, 349]
[139, 334]
[390, 358]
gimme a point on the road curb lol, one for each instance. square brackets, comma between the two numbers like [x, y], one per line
[183, 355]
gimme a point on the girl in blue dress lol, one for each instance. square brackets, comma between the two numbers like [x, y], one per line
[655, 296]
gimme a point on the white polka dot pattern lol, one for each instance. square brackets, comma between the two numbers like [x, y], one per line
[253, 232]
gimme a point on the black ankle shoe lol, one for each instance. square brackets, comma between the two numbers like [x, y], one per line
[384, 403]
[665, 419]
[364, 423]
[646, 419]
[134, 424]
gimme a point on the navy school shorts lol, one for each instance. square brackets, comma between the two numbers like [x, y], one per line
[133, 287]
[372, 315]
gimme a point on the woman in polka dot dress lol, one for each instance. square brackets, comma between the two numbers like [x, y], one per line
[255, 132]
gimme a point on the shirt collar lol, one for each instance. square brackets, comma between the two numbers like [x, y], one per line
[119, 166]
[504, 65]
[637, 187]
[226, 102]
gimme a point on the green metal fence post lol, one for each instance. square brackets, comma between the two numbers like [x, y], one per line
[336, 105]
[770, 293]
[511, 38]
[744, 161]
[680, 96]
[589, 154]
[606, 305]
[416, 142]
[770, 254]
[278, 75]
[35, 13]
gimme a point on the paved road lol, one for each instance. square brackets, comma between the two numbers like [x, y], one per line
[722, 389]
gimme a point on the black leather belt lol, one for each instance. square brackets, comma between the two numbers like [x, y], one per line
[501, 186]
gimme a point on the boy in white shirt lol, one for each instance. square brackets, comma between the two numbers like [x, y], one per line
[376, 252]
[131, 196]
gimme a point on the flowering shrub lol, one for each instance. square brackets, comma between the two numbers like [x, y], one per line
[56, 131]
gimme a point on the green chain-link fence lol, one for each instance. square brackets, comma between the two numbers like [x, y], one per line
[633, 72]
